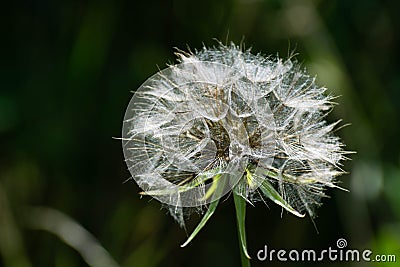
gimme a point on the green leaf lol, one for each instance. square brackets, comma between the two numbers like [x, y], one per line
[217, 188]
[203, 222]
[201, 179]
[240, 205]
[269, 191]
[213, 187]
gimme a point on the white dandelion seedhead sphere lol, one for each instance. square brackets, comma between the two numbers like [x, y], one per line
[222, 113]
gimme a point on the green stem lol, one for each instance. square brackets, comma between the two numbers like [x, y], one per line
[240, 205]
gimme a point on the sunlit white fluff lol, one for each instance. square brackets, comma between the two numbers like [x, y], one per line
[244, 118]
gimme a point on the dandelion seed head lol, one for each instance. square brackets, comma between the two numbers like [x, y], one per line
[224, 114]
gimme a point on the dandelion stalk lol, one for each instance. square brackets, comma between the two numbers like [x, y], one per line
[240, 206]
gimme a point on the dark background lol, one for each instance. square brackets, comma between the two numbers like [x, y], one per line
[68, 69]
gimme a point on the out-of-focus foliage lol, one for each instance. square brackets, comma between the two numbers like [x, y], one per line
[67, 72]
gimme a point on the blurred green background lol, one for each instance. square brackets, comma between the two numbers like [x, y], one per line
[68, 69]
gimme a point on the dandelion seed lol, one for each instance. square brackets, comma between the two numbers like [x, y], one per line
[224, 120]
